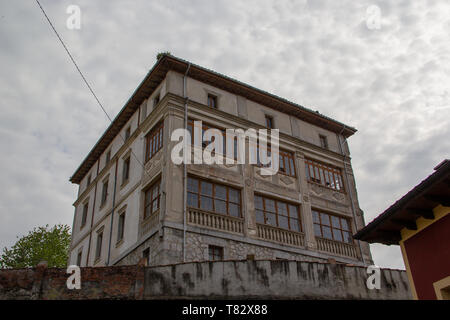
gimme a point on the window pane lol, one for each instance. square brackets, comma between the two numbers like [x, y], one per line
[291, 162]
[282, 208]
[347, 237]
[335, 222]
[206, 188]
[295, 226]
[192, 200]
[337, 235]
[155, 192]
[155, 205]
[270, 205]
[344, 224]
[271, 219]
[293, 213]
[147, 211]
[315, 216]
[233, 195]
[234, 210]
[206, 203]
[325, 219]
[259, 216]
[221, 192]
[317, 230]
[326, 232]
[258, 203]
[192, 185]
[283, 222]
[220, 206]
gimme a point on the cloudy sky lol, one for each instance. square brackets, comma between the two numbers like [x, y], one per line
[380, 66]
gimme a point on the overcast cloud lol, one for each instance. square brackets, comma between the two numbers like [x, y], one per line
[391, 83]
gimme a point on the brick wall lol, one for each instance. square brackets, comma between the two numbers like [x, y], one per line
[265, 279]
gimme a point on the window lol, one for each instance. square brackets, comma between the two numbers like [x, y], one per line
[269, 122]
[154, 141]
[277, 214]
[104, 193]
[331, 227]
[215, 253]
[212, 101]
[152, 199]
[323, 141]
[79, 256]
[98, 248]
[127, 133]
[88, 180]
[84, 215]
[324, 174]
[190, 127]
[286, 162]
[126, 170]
[156, 100]
[146, 256]
[121, 227]
[213, 197]
[108, 157]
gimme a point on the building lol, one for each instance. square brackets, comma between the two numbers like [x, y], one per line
[420, 223]
[130, 203]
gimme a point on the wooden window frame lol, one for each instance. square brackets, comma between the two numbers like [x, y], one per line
[126, 169]
[288, 204]
[287, 161]
[150, 190]
[108, 157]
[121, 226]
[146, 256]
[330, 175]
[269, 121]
[154, 141]
[98, 246]
[104, 197]
[79, 257]
[323, 141]
[215, 251]
[212, 101]
[84, 214]
[206, 126]
[341, 230]
[127, 133]
[213, 196]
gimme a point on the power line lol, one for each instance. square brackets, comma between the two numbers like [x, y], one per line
[83, 77]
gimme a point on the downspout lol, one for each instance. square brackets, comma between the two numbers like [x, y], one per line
[350, 191]
[92, 217]
[112, 213]
[184, 162]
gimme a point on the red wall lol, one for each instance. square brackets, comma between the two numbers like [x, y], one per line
[429, 256]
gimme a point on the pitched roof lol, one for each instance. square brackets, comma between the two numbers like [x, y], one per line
[158, 73]
[420, 201]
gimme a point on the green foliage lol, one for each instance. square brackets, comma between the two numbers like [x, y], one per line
[42, 243]
[162, 54]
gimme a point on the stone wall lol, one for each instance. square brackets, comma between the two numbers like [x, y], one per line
[259, 279]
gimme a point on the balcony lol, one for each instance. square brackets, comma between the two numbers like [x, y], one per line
[148, 223]
[337, 247]
[215, 221]
[282, 236]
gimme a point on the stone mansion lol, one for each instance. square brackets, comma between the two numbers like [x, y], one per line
[134, 202]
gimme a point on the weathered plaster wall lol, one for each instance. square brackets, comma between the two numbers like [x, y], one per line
[263, 279]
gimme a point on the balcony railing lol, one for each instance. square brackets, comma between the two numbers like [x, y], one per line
[337, 247]
[280, 235]
[215, 221]
[150, 222]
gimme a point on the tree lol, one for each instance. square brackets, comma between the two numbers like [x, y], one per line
[162, 54]
[42, 243]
